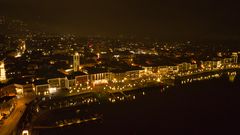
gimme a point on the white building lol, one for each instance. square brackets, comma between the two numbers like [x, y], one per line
[2, 72]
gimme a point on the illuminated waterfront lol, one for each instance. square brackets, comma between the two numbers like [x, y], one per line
[198, 107]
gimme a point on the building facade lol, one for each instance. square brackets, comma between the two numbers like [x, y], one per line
[2, 72]
[235, 57]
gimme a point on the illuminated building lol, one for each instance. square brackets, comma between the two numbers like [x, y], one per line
[21, 48]
[2, 72]
[132, 75]
[235, 57]
[119, 76]
[99, 78]
[173, 69]
[183, 67]
[226, 62]
[42, 89]
[219, 64]
[163, 70]
[76, 61]
[148, 70]
[13, 90]
[71, 83]
[81, 80]
[58, 83]
[53, 86]
[209, 64]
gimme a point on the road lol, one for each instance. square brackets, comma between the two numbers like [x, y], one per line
[11, 122]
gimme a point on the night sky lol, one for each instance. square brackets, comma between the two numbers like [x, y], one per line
[216, 19]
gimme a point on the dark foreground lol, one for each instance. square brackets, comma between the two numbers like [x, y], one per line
[201, 108]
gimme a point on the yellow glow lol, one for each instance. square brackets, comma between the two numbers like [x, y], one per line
[19, 91]
[25, 132]
[2, 72]
[76, 53]
[52, 90]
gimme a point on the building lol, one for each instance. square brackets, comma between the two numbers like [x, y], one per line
[235, 57]
[42, 89]
[160, 70]
[132, 75]
[184, 67]
[169, 69]
[71, 83]
[58, 83]
[99, 78]
[76, 62]
[2, 72]
[226, 62]
[12, 90]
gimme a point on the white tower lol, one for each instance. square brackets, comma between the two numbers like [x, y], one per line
[2, 72]
[235, 57]
[76, 61]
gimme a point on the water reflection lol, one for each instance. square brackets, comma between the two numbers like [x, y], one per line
[232, 76]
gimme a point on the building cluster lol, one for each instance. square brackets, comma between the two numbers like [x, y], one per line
[89, 81]
[209, 65]
[84, 79]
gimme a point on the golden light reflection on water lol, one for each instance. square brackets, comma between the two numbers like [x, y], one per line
[232, 76]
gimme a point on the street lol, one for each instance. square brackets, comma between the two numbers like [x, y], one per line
[11, 122]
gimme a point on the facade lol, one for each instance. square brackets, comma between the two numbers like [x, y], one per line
[227, 61]
[2, 72]
[99, 78]
[72, 83]
[12, 90]
[184, 67]
[118, 76]
[217, 64]
[76, 62]
[58, 83]
[42, 89]
[81, 81]
[133, 75]
[161, 70]
[235, 57]
[171, 69]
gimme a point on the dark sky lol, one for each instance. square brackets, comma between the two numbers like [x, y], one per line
[158, 18]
